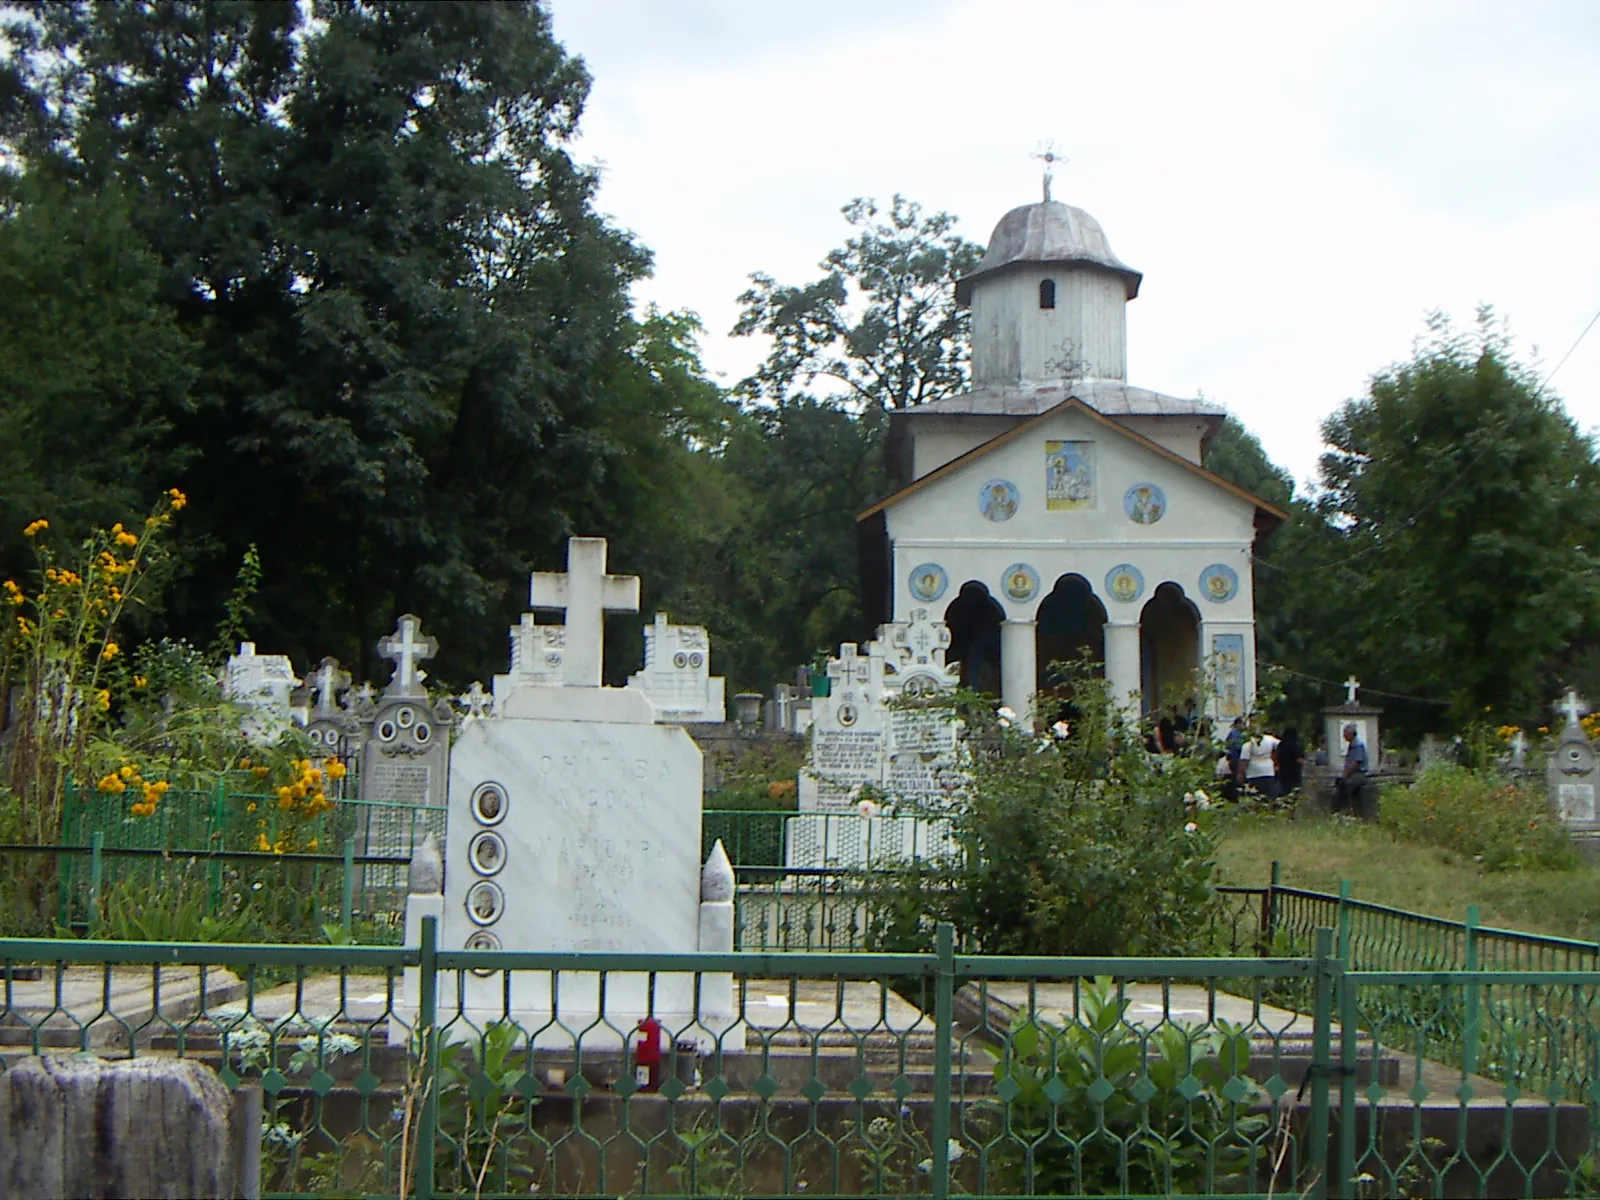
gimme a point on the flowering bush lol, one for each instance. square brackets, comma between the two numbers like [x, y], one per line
[1477, 813]
[1073, 842]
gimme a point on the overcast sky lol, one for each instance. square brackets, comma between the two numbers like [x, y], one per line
[1300, 184]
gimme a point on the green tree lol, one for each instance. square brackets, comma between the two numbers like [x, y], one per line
[1462, 496]
[417, 372]
[881, 327]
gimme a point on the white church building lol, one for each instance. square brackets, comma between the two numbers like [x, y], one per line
[1053, 509]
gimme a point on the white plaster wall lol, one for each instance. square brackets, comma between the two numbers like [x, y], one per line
[1177, 434]
[938, 440]
[1014, 340]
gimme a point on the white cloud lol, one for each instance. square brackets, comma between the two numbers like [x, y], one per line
[1299, 184]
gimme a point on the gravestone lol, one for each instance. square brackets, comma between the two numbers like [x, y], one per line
[1352, 712]
[329, 724]
[677, 673]
[861, 739]
[263, 685]
[405, 757]
[1571, 774]
[574, 825]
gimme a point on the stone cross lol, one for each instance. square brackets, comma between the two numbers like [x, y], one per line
[406, 647]
[584, 593]
[477, 701]
[1519, 749]
[329, 681]
[1351, 687]
[1572, 706]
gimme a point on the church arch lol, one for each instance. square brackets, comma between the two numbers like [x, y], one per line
[1169, 648]
[1070, 624]
[974, 618]
[1047, 293]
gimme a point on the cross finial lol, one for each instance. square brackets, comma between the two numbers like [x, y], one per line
[1572, 706]
[1050, 158]
[329, 681]
[584, 593]
[1351, 687]
[1519, 748]
[406, 647]
[476, 701]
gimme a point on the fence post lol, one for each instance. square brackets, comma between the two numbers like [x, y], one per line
[219, 816]
[347, 902]
[1342, 946]
[1349, 1059]
[1472, 1020]
[1321, 1067]
[943, 1020]
[428, 1068]
[97, 845]
[1269, 911]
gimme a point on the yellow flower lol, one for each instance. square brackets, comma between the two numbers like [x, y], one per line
[178, 499]
[260, 772]
[111, 651]
[103, 700]
[36, 527]
[311, 846]
[262, 844]
[336, 770]
[25, 625]
[314, 776]
[127, 772]
[251, 807]
[127, 539]
[140, 681]
[110, 783]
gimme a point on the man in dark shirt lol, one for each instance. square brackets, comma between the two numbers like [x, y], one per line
[1347, 788]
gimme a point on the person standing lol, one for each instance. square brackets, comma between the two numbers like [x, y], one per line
[1260, 770]
[1291, 761]
[1347, 788]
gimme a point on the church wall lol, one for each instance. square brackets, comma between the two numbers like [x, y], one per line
[939, 440]
[1172, 433]
[1084, 335]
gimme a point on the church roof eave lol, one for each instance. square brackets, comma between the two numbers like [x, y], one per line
[1267, 516]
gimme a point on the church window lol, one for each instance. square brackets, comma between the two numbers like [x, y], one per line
[1047, 293]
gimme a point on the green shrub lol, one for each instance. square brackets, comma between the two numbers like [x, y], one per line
[1505, 826]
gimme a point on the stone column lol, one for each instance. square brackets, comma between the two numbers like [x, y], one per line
[1122, 665]
[1019, 666]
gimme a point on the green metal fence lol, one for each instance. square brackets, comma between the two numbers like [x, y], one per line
[420, 1071]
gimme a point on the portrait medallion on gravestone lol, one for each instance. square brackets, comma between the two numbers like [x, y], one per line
[489, 804]
[482, 939]
[847, 715]
[485, 902]
[487, 854]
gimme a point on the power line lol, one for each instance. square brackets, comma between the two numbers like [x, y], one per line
[1575, 345]
[1374, 691]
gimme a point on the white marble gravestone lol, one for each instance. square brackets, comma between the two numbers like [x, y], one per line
[861, 740]
[1571, 772]
[677, 673]
[574, 825]
[263, 684]
[329, 725]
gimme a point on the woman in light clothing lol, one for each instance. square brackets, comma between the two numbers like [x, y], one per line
[1260, 771]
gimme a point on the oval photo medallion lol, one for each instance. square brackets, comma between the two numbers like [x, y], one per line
[998, 500]
[489, 803]
[1219, 582]
[928, 582]
[481, 939]
[487, 852]
[485, 902]
[1020, 582]
[1124, 583]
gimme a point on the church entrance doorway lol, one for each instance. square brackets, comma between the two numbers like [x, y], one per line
[1169, 649]
[1071, 625]
[974, 618]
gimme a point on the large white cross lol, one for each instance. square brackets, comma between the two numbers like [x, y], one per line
[1572, 706]
[1351, 687]
[584, 593]
[406, 647]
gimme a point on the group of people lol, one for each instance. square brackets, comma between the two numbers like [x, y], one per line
[1267, 765]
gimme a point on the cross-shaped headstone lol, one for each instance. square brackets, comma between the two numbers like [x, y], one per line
[1351, 687]
[1572, 707]
[1519, 748]
[584, 593]
[329, 681]
[406, 647]
[477, 701]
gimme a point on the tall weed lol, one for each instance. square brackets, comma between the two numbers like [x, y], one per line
[1502, 825]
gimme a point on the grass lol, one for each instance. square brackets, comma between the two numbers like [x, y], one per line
[1317, 852]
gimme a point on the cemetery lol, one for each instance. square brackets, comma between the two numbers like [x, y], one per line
[537, 762]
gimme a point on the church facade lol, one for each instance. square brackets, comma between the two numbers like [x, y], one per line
[1054, 511]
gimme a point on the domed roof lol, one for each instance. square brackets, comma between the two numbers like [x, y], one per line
[1048, 232]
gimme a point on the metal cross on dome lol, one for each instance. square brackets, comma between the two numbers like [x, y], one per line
[1351, 687]
[583, 594]
[1050, 158]
[406, 647]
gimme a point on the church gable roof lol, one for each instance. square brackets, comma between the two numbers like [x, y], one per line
[1268, 516]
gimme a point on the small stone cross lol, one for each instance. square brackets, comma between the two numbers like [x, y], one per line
[406, 647]
[329, 681]
[584, 593]
[477, 701]
[1351, 687]
[1572, 706]
[1519, 748]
